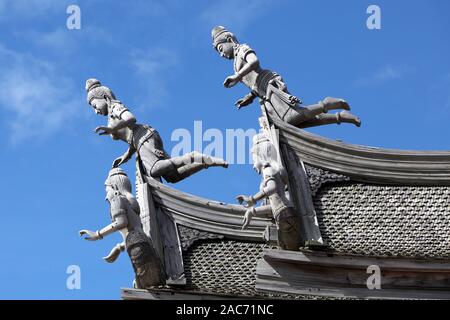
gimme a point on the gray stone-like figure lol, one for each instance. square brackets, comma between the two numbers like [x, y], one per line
[125, 219]
[274, 188]
[143, 139]
[271, 89]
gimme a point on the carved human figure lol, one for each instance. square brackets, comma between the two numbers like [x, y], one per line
[274, 189]
[270, 88]
[124, 211]
[143, 139]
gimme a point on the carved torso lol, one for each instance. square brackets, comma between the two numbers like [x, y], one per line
[266, 84]
[121, 206]
[278, 200]
[145, 139]
[115, 111]
[257, 80]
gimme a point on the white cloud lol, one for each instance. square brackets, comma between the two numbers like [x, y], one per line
[9, 9]
[152, 67]
[235, 14]
[64, 42]
[384, 74]
[35, 99]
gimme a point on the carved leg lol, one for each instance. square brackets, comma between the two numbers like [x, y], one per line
[184, 172]
[190, 169]
[338, 118]
[297, 116]
[147, 266]
[289, 233]
[197, 157]
[177, 168]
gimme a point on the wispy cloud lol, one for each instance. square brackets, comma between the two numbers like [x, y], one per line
[35, 99]
[384, 74]
[11, 9]
[151, 67]
[235, 14]
[64, 42]
[438, 95]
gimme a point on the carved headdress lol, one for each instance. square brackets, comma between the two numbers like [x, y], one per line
[119, 179]
[95, 90]
[264, 149]
[266, 153]
[220, 35]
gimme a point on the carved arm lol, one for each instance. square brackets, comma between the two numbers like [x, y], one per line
[265, 211]
[252, 64]
[127, 120]
[269, 189]
[245, 101]
[120, 222]
[125, 157]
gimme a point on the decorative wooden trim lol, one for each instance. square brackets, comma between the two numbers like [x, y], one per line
[149, 219]
[207, 215]
[165, 294]
[302, 198]
[173, 256]
[319, 273]
[368, 164]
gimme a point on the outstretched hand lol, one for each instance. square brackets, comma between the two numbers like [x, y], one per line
[244, 102]
[91, 235]
[247, 218]
[103, 130]
[231, 81]
[117, 162]
[246, 201]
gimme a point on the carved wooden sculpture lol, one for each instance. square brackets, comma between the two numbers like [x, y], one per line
[125, 219]
[143, 139]
[271, 89]
[273, 188]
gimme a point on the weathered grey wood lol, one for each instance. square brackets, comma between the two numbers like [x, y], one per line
[173, 258]
[149, 218]
[301, 196]
[271, 235]
[160, 294]
[346, 276]
[356, 261]
[368, 164]
[207, 215]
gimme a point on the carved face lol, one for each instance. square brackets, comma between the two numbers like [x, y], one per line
[226, 50]
[257, 163]
[110, 192]
[257, 166]
[100, 106]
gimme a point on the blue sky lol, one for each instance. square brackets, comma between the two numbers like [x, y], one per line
[158, 59]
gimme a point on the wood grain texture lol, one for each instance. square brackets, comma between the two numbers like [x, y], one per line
[368, 164]
[331, 275]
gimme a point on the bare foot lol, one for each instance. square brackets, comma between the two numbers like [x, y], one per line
[345, 116]
[330, 103]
